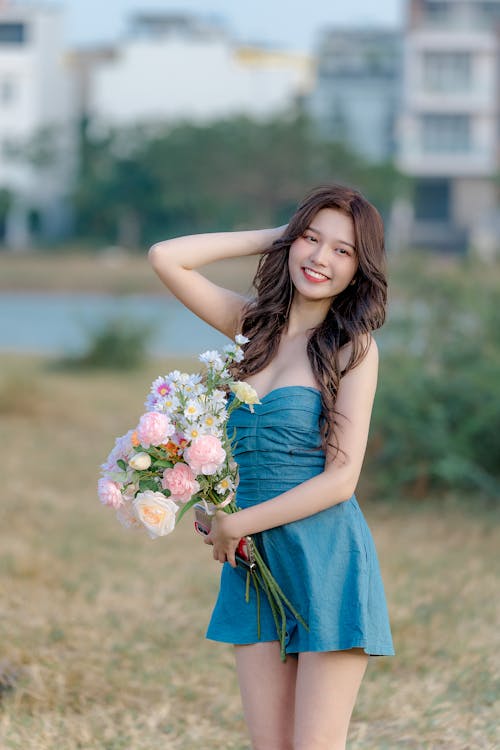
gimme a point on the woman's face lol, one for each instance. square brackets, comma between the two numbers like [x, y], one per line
[323, 261]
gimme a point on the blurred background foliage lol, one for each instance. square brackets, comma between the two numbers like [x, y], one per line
[138, 185]
[436, 422]
[118, 343]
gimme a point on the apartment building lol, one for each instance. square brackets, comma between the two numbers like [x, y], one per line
[449, 127]
[356, 96]
[177, 66]
[35, 102]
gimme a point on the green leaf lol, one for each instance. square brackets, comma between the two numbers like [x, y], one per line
[162, 463]
[187, 507]
[117, 476]
[148, 484]
[122, 464]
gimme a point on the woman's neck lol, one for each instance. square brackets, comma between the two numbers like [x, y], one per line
[304, 316]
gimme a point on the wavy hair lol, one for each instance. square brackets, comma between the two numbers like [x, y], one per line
[355, 312]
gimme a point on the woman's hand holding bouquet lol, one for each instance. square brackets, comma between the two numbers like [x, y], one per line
[180, 455]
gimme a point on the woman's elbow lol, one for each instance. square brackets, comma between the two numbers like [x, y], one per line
[350, 484]
[154, 253]
[345, 488]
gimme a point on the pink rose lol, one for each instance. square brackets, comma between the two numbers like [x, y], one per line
[109, 493]
[154, 428]
[181, 483]
[205, 455]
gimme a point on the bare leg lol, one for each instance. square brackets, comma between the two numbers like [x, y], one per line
[267, 687]
[326, 690]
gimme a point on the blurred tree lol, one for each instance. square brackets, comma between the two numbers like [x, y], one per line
[114, 192]
[436, 421]
[5, 203]
[138, 185]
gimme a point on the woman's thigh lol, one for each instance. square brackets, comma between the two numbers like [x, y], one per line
[267, 687]
[326, 689]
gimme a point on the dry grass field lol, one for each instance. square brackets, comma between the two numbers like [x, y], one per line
[102, 631]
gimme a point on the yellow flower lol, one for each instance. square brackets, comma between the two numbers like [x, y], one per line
[245, 393]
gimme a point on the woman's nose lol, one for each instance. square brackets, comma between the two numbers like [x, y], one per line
[319, 254]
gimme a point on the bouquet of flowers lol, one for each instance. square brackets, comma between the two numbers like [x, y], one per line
[180, 454]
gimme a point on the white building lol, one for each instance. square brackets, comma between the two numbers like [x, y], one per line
[181, 67]
[356, 97]
[449, 129]
[35, 97]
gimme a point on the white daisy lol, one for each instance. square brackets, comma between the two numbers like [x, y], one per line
[218, 399]
[193, 409]
[225, 485]
[174, 376]
[193, 431]
[169, 404]
[212, 359]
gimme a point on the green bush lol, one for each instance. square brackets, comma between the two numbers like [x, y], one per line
[436, 420]
[119, 344]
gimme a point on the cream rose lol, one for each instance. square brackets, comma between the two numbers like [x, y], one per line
[156, 512]
[140, 461]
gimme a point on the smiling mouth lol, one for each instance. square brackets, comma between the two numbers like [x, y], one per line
[314, 274]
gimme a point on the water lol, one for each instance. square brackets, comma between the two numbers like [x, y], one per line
[60, 323]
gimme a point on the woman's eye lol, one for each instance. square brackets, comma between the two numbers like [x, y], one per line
[310, 237]
[343, 251]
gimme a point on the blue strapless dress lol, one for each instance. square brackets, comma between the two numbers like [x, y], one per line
[326, 563]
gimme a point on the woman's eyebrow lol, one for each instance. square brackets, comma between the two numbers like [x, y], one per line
[343, 242]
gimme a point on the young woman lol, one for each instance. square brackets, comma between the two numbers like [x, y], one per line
[321, 291]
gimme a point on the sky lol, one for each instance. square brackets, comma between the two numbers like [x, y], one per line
[285, 23]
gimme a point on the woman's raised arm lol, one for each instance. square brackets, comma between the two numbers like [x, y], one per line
[175, 262]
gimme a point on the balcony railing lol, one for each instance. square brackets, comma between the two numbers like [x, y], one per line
[416, 160]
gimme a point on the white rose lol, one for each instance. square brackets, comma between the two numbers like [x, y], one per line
[156, 512]
[127, 517]
[140, 461]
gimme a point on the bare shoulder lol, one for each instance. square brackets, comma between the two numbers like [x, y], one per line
[370, 359]
[353, 405]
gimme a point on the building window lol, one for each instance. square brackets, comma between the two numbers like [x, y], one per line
[437, 12]
[8, 149]
[12, 33]
[447, 71]
[488, 12]
[432, 200]
[7, 91]
[447, 134]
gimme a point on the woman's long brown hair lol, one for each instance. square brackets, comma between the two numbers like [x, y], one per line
[355, 312]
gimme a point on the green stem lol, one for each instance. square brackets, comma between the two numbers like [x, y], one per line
[277, 590]
[257, 596]
[271, 586]
[263, 584]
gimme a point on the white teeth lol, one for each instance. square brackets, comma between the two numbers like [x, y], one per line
[315, 273]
